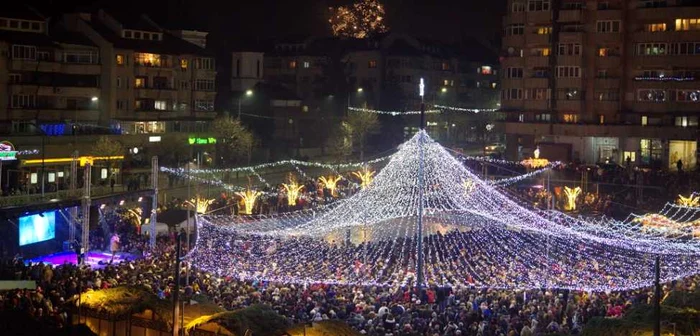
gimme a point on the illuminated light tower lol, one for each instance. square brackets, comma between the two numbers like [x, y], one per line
[692, 201]
[292, 189]
[330, 183]
[365, 175]
[421, 163]
[248, 197]
[571, 196]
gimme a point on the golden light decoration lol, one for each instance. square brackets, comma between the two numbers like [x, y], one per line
[365, 175]
[330, 183]
[292, 189]
[690, 201]
[201, 204]
[571, 196]
[248, 198]
[536, 161]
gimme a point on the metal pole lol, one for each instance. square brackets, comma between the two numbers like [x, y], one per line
[43, 158]
[189, 215]
[154, 204]
[73, 188]
[1, 178]
[176, 293]
[85, 243]
[657, 296]
[239, 108]
[420, 197]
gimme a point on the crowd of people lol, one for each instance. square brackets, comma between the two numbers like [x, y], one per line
[371, 310]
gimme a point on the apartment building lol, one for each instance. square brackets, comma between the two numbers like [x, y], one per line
[602, 81]
[86, 75]
[328, 74]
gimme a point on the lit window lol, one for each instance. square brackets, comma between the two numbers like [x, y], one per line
[601, 119]
[120, 59]
[151, 60]
[140, 82]
[687, 24]
[571, 118]
[161, 105]
[307, 65]
[183, 64]
[445, 66]
[651, 95]
[372, 64]
[655, 27]
[292, 64]
[485, 70]
[645, 120]
[547, 30]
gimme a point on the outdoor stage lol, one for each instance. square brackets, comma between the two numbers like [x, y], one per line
[96, 259]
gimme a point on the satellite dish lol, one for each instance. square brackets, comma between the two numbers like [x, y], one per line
[511, 50]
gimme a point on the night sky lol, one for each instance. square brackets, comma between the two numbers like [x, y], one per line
[447, 20]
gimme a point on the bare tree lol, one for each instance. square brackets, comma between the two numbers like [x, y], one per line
[361, 124]
[234, 141]
[339, 143]
[108, 150]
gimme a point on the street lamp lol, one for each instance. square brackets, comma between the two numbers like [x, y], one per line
[94, 99]
[359, 90]
[444, 90]
[248, 93]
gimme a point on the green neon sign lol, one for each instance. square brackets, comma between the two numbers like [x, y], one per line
[201, 141]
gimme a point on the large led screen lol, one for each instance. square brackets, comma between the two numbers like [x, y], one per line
[37, 228]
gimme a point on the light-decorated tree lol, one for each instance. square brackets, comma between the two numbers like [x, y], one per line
[361, 19]
[235, 142]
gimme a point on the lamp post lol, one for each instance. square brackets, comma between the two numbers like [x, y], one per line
[248, 93]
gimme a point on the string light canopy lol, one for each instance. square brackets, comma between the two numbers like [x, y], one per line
[480, 238]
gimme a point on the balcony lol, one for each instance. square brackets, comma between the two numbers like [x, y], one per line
[34, 66]
[607, 83]
[606, 105]
[81, 69]
[569, 60]
[571, 37]
[569, 105]
[536, 82]
[570, 15]
[512, 83]
[539, 17]
[609, 14]
[156, 93]
[63, 91]
[642, 106]
[608, 38]
[514, 18]
[660, 14]
[538, 39]
[513, 41]
[569, 82]
[536, 105]
[513, 61]
[537, 61]
[47, 113]
[608, 62]
[596, 130]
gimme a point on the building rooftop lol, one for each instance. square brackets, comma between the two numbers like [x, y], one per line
[63, 36]
[26, 38]
[17, 10]
[170, 45]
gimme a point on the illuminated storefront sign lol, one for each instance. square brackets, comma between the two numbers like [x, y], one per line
[7, 151]
[201, 141]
